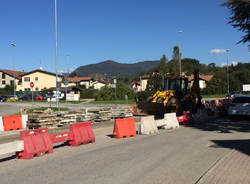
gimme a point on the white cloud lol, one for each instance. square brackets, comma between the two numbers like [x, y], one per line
[61, 71]
[218, 51]
[234, 63]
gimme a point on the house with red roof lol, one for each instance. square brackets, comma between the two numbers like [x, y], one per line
[7, 77]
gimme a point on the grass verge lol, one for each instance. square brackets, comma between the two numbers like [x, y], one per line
[113, 102]
[45, 108]
[214, 96]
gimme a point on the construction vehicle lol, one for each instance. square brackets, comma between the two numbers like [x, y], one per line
[175, 97]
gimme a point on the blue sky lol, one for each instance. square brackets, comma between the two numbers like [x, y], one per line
[126, 31]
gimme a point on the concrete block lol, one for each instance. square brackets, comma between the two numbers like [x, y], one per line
[148, 125]
[161, 123]
[1, 124]
[171, 120]
[24, 121]
[11, 147]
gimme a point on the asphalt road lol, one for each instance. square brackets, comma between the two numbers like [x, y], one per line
[177, 156]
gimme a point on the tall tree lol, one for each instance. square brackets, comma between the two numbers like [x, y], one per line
[176, 56]
[240, 19]
[163, 69]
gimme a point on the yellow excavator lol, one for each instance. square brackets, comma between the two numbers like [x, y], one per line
[175, 97]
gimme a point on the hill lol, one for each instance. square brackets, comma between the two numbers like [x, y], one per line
[112, 68]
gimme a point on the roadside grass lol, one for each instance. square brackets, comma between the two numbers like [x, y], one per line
[130, 101]
[214, 96]
[45, 108]
[45, 101]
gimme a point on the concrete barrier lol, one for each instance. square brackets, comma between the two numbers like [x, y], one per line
[148, 125]
[171, 121]
[24, 121]
[11, 147]
[161, 123]
[1, 124]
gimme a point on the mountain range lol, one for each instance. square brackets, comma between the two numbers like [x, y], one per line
[112, 68]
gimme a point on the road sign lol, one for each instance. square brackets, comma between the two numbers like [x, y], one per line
[31, 84]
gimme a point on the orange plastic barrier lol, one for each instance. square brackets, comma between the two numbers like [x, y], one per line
[12, 122]
[132, 108]
[124, 128]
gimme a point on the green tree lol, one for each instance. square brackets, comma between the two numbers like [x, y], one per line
[240, 19]
[175, 69]
[162, 68]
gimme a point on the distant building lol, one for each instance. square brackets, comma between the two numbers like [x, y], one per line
[41, 79]
[136, 86]
[80, 81]
[204, 79]
[99, 84]
[7, 77]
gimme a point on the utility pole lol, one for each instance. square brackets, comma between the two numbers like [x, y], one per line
[67, 75]
[180, 32]
[13, 60]
[57, 103]
[227, 71]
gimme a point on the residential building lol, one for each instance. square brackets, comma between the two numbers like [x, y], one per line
[204, 79]
[80, 81]
[98, 84]
[7, 77]
[136, 86]
[41, 79]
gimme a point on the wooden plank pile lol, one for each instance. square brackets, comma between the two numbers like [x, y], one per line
[42, 119]
[50, 119]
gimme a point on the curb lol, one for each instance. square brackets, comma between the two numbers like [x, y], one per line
[214, 166]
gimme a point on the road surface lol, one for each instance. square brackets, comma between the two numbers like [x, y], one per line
[171, 156]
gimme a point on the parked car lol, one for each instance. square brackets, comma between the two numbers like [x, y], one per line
[233, 94]
[3, 98]
[45, 96]
[26, 97]
[38, 97]
[12, 98]
[240, 105]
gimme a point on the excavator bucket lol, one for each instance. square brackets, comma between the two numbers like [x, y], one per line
[149, 108]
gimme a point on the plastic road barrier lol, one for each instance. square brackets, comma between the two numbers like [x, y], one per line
[132, 108]
[81, 133]
[185, 119]
[12, 122]
[36, 143]
[1, 124]
[39, 142]
[171, 121]
[148, 125]
[124, 128]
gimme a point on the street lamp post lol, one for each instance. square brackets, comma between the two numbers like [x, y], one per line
[67, 75]
[180, 32]
[227, 71]
[13, 60]
[57, 103]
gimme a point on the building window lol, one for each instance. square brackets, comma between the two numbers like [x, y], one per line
[19, 82]
[37, 89]
[12, 82]
[26, 89]
[3, 75]
[36, 78]
[27, 79]
[3, 82]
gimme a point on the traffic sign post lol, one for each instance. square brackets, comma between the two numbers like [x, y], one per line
[32, 85]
